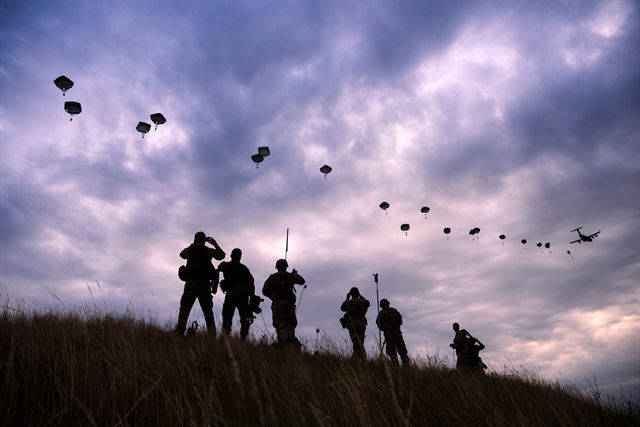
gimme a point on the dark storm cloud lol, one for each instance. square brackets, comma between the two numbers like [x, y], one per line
[524, 122]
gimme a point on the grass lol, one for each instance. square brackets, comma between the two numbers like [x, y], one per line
[104, 369]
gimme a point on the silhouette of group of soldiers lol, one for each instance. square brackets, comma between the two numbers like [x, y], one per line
[202, 280]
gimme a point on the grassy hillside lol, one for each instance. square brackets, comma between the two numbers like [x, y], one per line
[71, 369]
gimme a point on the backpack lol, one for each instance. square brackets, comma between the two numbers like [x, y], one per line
[199, 266]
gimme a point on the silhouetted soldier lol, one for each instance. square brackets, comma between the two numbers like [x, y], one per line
[389, 321]
[355, 307]
[201, 282]
[460, 345]
[279, 288]
[474, 362]
[238, 287]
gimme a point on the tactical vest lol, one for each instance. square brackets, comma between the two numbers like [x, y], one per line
[199, 263]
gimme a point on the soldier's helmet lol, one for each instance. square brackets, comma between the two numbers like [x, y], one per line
[456, 326]
[236, 254]
[355, 292]
[384, 303]
[200, 237]
[282, 264]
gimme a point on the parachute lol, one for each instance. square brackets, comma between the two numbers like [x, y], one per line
[158, 119]
[446, 231]
[63, 83]
[325, 170]
[405, 228]
[257, 158]
[569, 252]
[548, 246]
[264, 151]
[523, 241]
[425, 210]
[539, 244]
[474, 231]
[143, 127]
[72, 108]
[502, 237]
[384, 206]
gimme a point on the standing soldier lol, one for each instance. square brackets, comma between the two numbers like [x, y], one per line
[459, 344]
[389, 321]
[355, 320]
[238, 287]
[279, 288]
[201, 280]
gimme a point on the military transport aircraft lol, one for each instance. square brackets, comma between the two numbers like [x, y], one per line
[584, 237]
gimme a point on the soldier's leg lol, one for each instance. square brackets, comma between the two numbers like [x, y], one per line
[292, 322]
[402, 350]
[186, 302]
[278, 322]
[228, 308]
[206, 303]
[246, 317]
[391, 349]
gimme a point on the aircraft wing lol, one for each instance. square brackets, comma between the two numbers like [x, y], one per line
[595, 234]
[576, 241]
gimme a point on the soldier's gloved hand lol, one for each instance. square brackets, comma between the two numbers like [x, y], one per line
[212, 241]
[452, 345]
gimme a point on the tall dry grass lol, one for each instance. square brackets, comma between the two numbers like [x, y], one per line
[84, 369]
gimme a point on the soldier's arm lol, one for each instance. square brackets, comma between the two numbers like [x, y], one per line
[251, 282]
[297, 278]
[185, 253]
[216, 252]
[345, 304]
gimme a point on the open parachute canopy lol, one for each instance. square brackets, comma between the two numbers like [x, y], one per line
[72, 108]
[325, 170]
[264, 151]
[157, 119]
[539, 244]
[547, 245]
[257, 158]
[384, 206]
[523, 241]
[502, 237]
[446, 230]
[143, 127]
[405, 228]
[425, 209]
[63, 83]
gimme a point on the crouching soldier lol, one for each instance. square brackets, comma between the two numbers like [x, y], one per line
[389, 321]
[238, 286]
[279, 288]
[355, 320]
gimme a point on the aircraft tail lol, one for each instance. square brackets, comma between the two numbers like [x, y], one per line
[577, 229]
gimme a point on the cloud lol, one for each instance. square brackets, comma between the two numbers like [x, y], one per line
[520, 121]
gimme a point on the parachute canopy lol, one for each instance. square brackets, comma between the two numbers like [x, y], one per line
[502, 237]
[547, 245]
[72, 108]
[264, 151]
[405, 228]
[143, 127]
[425, 210]
[474, 231]
[384, 206]
[325, 170]
[446, 230]
[157, 119]
[63, 83]
[523, 241]
[539, 244]
[257, 158]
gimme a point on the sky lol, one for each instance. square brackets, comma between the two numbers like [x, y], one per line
[520, 118]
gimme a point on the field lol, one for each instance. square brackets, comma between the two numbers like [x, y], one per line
[101, 369]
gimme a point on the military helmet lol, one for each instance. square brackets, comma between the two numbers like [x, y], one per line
[282, 264]
[384, 302]
[236, 254]
[355, 292]
[200, 237]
